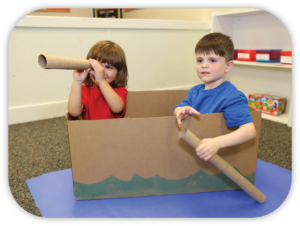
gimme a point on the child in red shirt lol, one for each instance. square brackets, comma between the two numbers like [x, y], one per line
[99, 92]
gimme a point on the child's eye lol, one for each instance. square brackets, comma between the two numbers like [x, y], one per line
[200, 60]
[213, 60]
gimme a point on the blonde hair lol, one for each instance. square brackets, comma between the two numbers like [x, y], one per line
[111, 53]
[217, 43]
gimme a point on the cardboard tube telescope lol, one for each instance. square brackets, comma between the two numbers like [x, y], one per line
[225, 168]
[56, 62]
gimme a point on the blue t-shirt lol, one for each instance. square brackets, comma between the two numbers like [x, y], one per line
[225, 98]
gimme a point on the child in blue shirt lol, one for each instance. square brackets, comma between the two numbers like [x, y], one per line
[214, 55]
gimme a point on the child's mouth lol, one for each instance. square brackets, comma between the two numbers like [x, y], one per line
[205, 73]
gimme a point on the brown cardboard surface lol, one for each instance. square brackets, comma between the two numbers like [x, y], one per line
[153, 103]
[56, 62]
[147, 142]
[227, 169]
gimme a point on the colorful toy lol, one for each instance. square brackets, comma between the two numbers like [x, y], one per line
[267, 103]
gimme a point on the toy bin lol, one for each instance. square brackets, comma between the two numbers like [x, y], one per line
[268, 55]
[267, 103]
[235, 54]
[286, 57]
[246, 55]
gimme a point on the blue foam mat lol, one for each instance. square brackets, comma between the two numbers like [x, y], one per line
[54, 196]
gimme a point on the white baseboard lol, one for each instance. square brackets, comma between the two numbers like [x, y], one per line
[37, 112]
[49, 110]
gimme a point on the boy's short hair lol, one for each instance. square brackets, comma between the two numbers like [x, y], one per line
[217, 43]
[111, 53]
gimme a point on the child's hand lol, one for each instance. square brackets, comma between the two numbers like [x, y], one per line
[183, 112]
[97, 73]
[80, 75]
[208, 148]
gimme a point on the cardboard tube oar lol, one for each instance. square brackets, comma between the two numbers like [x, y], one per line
[56, 62]
[225, 168]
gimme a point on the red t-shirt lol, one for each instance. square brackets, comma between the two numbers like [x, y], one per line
[95, 106]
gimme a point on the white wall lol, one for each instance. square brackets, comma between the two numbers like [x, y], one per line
[160, 55]
[186, 14]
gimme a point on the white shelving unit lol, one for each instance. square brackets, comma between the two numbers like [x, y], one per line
[258, 29]
[284, 118]
[259, 64]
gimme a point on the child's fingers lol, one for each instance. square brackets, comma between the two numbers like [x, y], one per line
[199, 149]
[208, 157]
[204, 152]
[177, 113]
[97, 69]
[93, 63]
[86, 72]
[195, 112]
[180, 116]
[186, 110]
[179, 121]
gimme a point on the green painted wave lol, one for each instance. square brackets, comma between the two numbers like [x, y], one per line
[113, 187]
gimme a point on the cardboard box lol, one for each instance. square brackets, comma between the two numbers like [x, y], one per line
[142, 154]
[267, 103]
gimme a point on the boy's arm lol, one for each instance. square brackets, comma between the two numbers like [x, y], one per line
[210, 146]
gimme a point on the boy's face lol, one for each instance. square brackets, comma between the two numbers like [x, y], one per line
[211, 69]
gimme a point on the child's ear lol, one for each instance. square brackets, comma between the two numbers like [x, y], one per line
[229, 66]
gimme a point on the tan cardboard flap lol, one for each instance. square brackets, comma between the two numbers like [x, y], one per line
[153, 103]
[150, 146]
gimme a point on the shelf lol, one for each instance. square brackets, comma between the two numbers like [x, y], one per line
[258, 29]
[284, 118]
[258, 64]
[251, 12]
